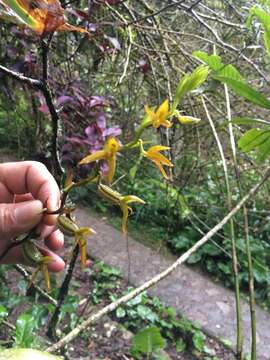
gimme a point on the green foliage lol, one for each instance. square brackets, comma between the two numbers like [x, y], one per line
[24, 336]
[147, 342]
[249, 121]
[144, 311]
[256, 139]
[230, 76]
[3, 313]
[264, 19]
[106, 280]
[26, 354]
[189, 83]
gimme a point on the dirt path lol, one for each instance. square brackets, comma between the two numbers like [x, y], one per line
[192, 294]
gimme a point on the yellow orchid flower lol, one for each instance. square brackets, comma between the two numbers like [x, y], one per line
[127, 210]
[108, 153]
[186, 120]
[120, 200]
[70, 228]
[160, 116]
[153, 153]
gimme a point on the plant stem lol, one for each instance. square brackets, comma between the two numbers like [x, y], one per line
[239, 346]
[246, 230]
[51, 332]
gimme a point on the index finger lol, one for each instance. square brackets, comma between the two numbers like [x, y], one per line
[32, 177]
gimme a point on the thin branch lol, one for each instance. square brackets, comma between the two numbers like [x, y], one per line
[246, 231]
[155, 13]
[111, 307]
[51, 333]
[44, 88]
[198, 18]
[27, 277]
[239, 346]
[20, 77]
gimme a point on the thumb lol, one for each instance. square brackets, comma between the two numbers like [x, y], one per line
[16, 219]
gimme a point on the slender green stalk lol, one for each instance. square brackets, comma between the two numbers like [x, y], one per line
[239, 345]
[246, 230]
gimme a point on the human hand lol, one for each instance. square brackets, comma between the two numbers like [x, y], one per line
[26, 188]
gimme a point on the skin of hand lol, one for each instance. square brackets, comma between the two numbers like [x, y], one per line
[26, 188]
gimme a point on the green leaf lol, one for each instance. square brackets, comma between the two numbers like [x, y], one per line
[24, 336]
[229, 71]
[213, 61]
[137, 300]
[39, 314]
[148, 341]
[194, 258]
[120, 312]
[249, 121]
[189, 83]
[146, 313]
[264, 19]
[3, 313]
[25, 354]
[253, 138]
[133, 172]
[180, 345]
[19, 11]
[198, 340]
[224, 268]
[246, 91]
[211, 249]
[215, 64]
[229, 75]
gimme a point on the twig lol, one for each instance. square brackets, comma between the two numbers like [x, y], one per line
[246, 231]
[111, 307]
[239, 346]
[55, 126]
[199, 19]
[27, 277]
[155, 13]
[20, 77]
[51, 333]
[44, 88]
[45, 51]
[127, 57]
[8, 324]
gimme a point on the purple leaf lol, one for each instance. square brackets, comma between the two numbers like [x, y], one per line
[64, 99]
[112, 131]
[44, 109]
[97, 101]
[101, 121]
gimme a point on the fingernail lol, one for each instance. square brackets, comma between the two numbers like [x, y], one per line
[28, 212]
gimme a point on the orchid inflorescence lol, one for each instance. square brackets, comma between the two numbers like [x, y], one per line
[162, 116]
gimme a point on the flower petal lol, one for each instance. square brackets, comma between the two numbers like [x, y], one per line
[111, 164]
[163, 110]
[125, 210]
[158, 164]
[161, 158]
[150, 112]
[111, 146]
[132, 198]
[157, 148]
[98, 155]
[188, 120]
